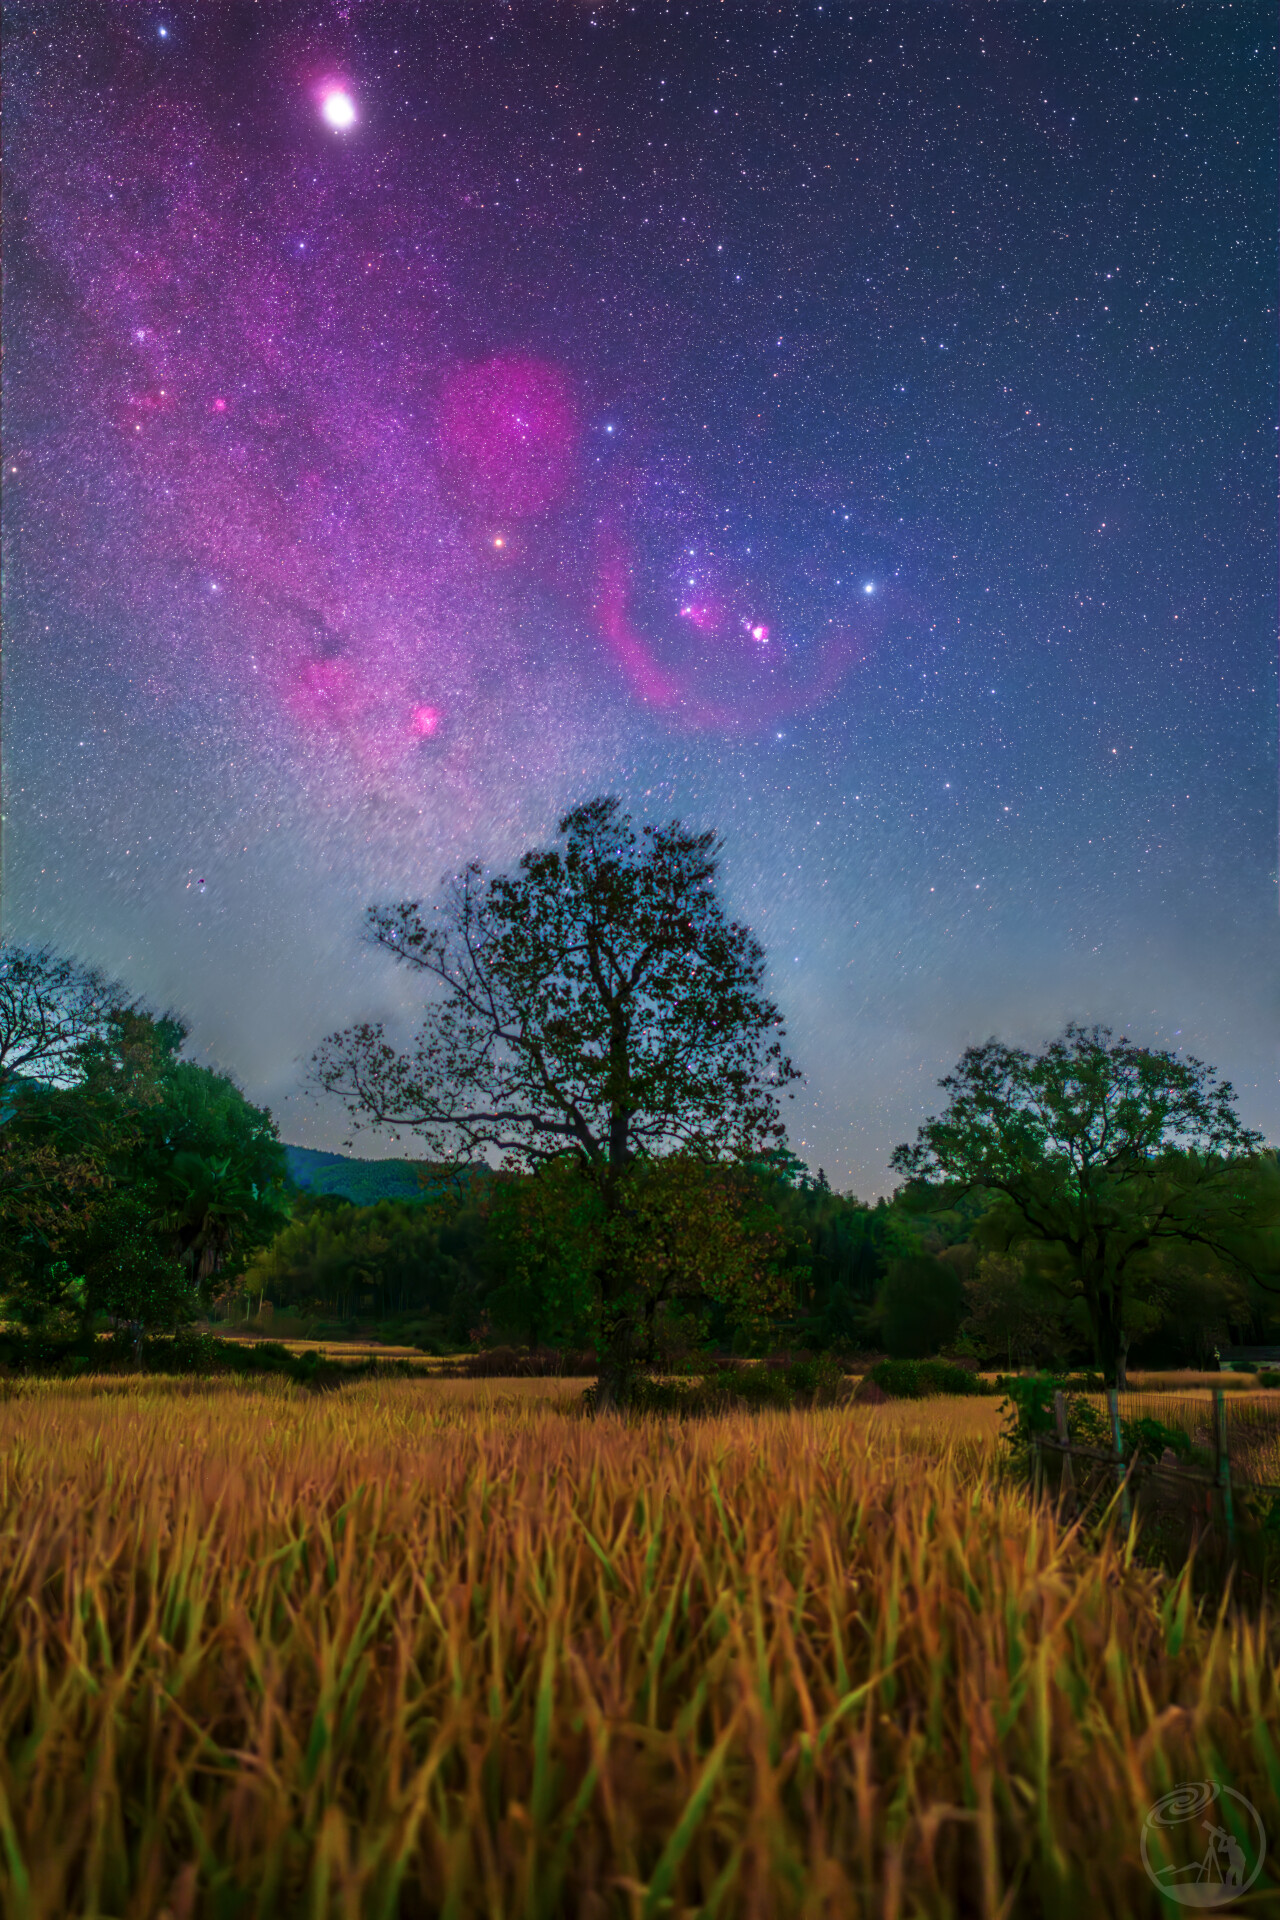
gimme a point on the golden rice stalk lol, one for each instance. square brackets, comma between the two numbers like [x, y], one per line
[421, 1648]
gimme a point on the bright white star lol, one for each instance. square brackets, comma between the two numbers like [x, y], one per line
[339, 109]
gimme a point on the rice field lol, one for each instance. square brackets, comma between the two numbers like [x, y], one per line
[1189, 1380]
[419, 1648]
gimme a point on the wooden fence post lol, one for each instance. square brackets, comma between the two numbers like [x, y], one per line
[1117, 1444]
[1068, 1487]
[1223, 1463]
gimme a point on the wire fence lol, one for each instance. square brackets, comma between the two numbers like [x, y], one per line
[1198, 1471]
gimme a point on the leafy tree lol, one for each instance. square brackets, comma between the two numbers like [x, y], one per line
[219, 1169]
[595, 1002]
[131, 1181]
[50, 1007]
[1106, 1151]
[65, 1151]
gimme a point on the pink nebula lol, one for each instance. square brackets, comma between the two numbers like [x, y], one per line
[509, 434]
[629, 645]
[424, 721]
[327, 695]
[729, 693]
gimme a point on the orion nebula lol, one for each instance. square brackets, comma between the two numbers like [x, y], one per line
[853, 431]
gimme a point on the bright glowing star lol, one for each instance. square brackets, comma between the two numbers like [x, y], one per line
[338, 109]
[868, 586]
[424, 721]
[498, 540]
[163, 32]
[608, 429]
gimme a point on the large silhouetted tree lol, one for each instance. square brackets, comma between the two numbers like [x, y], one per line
[1104, 1150]
[595, 1003]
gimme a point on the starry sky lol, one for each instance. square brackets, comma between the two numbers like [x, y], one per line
[850, 426]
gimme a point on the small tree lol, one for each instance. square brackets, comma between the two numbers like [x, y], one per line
[595, 1002]
[1102, 1149]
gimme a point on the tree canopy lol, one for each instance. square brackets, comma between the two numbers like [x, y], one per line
[132, 1179]
[1108, 1152]
[50, 1007]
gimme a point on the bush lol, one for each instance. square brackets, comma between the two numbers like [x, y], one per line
[1268, 1379]
[1147, 1439]
[187, 1352]
[522, 1363]
[917, 1379]
[1029, 1411]
[818, 1382]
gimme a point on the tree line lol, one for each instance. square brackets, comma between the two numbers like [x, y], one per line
[599, 1055]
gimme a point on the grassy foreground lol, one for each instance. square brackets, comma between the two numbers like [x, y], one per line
[418, 1648]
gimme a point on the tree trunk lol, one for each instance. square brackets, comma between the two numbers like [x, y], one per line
[1122, 1365]
[616, 1383]
[1110, 1341]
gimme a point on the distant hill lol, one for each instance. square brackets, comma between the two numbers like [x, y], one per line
[365, 1181]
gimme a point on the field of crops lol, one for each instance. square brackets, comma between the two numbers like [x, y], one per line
[446, 1648]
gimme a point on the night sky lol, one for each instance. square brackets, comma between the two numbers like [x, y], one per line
[852, 427]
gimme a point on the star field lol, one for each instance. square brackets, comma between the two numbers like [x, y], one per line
[852, 427]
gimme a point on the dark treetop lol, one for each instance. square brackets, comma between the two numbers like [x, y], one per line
[596, 1000]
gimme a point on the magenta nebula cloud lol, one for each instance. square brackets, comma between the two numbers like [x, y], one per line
[418, 419]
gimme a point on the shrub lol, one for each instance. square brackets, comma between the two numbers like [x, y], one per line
[1029, 1411]
[1147, 1439]
[186, 1352]
[818, 1382]
[522, 1363]
[917, 1379]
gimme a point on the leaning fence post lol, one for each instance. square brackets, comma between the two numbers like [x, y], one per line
[1117, 1443]
[1223, 1464]
[1068, 1485]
